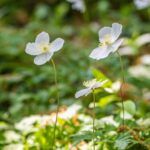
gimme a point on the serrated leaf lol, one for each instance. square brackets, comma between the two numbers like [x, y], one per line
[123, 141]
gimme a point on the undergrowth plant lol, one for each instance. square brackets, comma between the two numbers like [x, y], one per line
[43, 52]
[104, 134]
[43, 105]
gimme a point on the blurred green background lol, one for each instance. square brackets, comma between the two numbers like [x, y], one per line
[29, 89]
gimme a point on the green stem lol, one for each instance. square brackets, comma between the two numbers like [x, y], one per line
[56, 83]
[93, 119]
[121, 88]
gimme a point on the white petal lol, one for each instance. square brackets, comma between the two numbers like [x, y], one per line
[99, 84]
[78, 5]
[56, 44]
[43, 58]
[103, 32]
[42, 37]
[83, 92]
[99, 53]
[116, 31]
[141, 4]
[32, 49]
[115, 45]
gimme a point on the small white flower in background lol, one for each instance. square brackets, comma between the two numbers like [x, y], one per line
[70, 112]
[109, 42]
[11, 136]
[139, 71]
[78, 5]
[126, 115]
[143, 39]
[145, 59]
[108, 120]
[128, 48]
[42, 49]
[18, 146]
[114, 88]
[141, 4]
[90, 86]
[143, 122]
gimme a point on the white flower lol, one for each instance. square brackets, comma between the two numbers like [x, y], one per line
[70, 112]
[14, 146]
[114, 88]
[126, 115]
[109, 42]
[90, 86]
[11, 136]
[143, 122]
[145, 59]
[141, 4]
[108, 120]
[77, 5]
[143, 39]
[140, 71]
[42, 49]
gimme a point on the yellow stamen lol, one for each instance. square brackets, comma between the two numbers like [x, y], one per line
[89, 83]
[106, 41]
[45, 48]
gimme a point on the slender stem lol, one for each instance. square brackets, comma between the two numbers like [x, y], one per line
[58, 103]
[121, 88]
[93, 119]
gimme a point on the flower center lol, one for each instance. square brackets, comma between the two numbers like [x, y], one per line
[45, 48]
[106, 41]
[89, 83]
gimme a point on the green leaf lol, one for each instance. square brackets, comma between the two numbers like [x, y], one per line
[84, 136]
[123, 141]
[106, 100]
[41, 11]
[105, 146]
[130, 107]
[100, 76]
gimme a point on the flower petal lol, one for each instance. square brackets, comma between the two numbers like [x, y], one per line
[99, 84]
[115, 45]
[32, 49]
[42, 37]
[99, 53]
[103, 32]
[43, 58]
[83, 92]
[78, 5]
[57, 44]
[116, 31]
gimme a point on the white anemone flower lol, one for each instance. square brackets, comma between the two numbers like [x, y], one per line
[42, 49]
[109, 42]
[141, 4]
[78, 5]
[90, 86]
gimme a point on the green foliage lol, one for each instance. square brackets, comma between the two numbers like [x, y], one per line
[26, 89]
[123, 141]
[104, 101]
[100, 76]
[130, 107]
